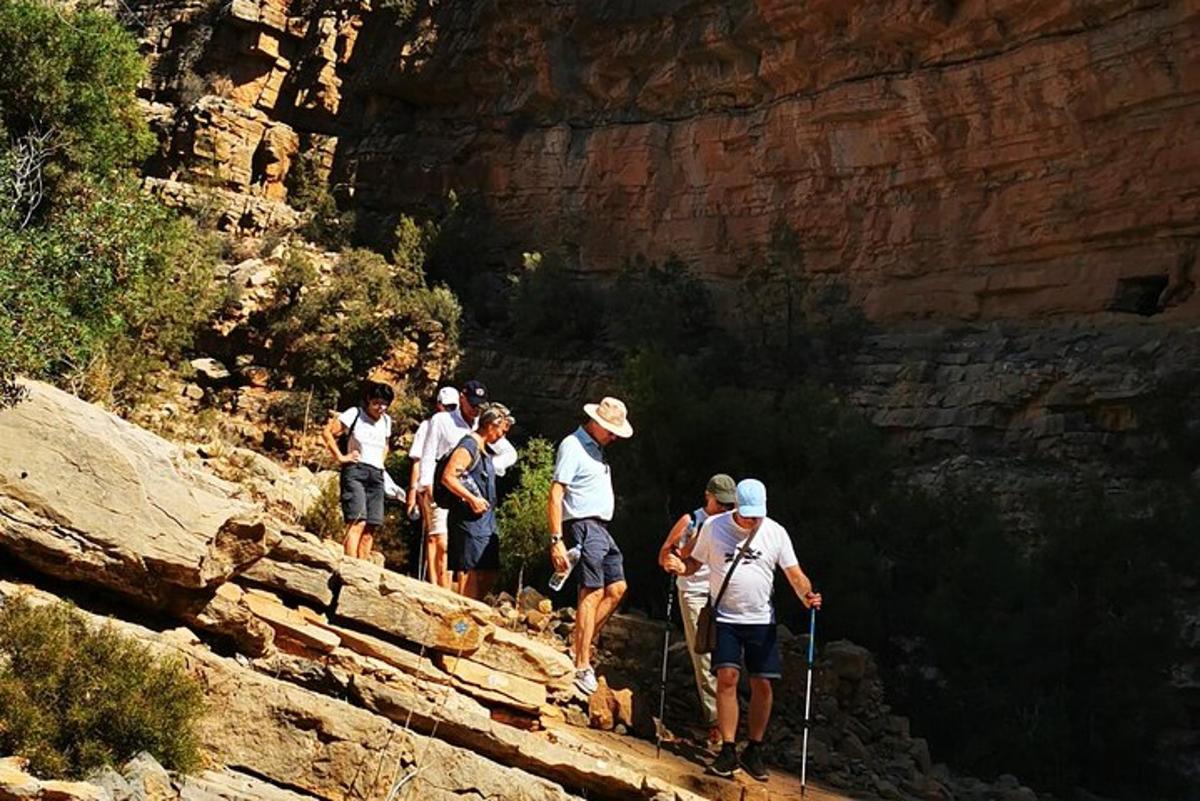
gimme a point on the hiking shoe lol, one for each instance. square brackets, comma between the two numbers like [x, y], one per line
[751, 760]
[726, 763]
[585, 680]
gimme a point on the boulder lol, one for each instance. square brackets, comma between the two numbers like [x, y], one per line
[147, 779]
[86, 496]
[522, 656]
[210, 369]
[847, 660]
[18, 785]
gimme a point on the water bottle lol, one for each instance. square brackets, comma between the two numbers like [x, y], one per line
[468, 481]
[559, 579]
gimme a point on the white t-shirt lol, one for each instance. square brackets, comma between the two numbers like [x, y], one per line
[369, 438]
[418, 443]
[747, 599]
[697, 583]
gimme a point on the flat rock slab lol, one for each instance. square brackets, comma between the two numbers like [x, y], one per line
[411, 610]
[494, 685]
[86, 496]
[16, 784]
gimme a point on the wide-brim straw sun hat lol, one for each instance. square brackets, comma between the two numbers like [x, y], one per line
[611, 415]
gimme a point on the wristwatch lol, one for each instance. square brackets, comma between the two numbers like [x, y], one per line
[555, 539]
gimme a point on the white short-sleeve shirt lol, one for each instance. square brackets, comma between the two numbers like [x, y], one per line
[748, 597]
[445, 430]
[369, 437]
[697, 583]
[418, 443]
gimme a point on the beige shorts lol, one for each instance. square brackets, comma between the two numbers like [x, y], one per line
[439, 523]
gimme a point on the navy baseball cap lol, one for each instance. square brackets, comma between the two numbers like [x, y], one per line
[475, 392]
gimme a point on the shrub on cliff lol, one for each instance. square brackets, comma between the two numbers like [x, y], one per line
[330, 333]
[550, 306]
[98, 283]
[522, 517]
[73, 697]
[67, 83]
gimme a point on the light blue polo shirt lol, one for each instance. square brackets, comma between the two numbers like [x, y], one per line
[580, 467]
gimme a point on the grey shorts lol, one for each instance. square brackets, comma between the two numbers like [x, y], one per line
[362, 493]
[600, 560]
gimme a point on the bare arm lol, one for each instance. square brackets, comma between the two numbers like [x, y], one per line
[414, 474]
[672, 540]
[459, 461]
[558, 551]
[329, 434]
[802, 587]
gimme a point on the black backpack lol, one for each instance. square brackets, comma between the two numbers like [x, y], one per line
[343, 441]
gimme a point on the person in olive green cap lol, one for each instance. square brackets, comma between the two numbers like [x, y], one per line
[719, 496]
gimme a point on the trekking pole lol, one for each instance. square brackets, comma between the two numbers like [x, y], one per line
[421, 553]
[812, 636]
[662, 688]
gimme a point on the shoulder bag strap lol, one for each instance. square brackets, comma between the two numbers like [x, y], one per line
[729, 573]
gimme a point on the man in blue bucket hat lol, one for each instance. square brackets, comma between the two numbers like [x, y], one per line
[746, 546]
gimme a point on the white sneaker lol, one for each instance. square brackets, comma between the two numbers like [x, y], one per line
[585, 680]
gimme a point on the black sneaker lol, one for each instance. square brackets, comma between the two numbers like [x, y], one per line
[726, 763]
[751, 760]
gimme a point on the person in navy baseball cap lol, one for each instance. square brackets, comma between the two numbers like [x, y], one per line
[473, 394]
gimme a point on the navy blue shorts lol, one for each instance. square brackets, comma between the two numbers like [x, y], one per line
[754, 640]
[600, 560]
[469, 551]
[362, 493]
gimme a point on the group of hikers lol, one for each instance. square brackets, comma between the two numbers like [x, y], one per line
[723, 554]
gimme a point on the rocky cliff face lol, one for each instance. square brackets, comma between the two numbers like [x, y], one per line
[961, 160]
[944, 159]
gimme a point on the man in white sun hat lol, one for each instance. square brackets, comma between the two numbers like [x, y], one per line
[581, 504]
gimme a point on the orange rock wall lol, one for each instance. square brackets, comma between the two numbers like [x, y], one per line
[979, 159]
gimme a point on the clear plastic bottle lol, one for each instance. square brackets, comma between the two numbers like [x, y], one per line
[559, 579]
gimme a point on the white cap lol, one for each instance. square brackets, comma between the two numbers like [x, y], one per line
[447, 396]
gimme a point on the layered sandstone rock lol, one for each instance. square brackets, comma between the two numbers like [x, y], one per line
[441, 697]
[963, 161]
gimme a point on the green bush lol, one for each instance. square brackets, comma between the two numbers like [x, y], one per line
[522, 517]
[549, 306]
[98, 283]
[72, 74]
[110, 286]
[330, 334]
[74, 698]
[660, 306]
[324, 516]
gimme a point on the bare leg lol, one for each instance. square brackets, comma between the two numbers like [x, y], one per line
[353, 531]
[761, 696]
[366, 542]
[613, 594]
[435, 552]
[727, 703]
[585, 624]
[484, 581]
[464, 582]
